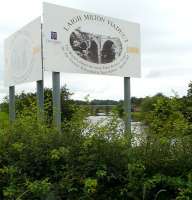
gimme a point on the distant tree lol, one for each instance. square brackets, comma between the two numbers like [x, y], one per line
[159, 94]
[166, 119]
[103, 102]
[68, 106]
[136, 103]
[189, 91]
[148, 103]
[186, 102]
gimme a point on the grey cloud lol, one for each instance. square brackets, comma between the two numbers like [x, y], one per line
[165, 40]
[176, 72]
[3, 90]
[168, 46]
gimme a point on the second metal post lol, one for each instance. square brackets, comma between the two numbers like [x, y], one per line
[127, 103]
[11, 103]
[40, 98]
[56, 100]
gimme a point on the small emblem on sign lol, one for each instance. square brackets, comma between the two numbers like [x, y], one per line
[53, 35]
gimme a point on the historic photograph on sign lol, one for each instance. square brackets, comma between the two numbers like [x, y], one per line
[23, 55]
[88, 46]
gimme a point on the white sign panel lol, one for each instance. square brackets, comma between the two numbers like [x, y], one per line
[80, 42]
[23, 55]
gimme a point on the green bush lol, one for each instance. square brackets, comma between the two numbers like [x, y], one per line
[3, 119]
[88, 162]
[28, 101]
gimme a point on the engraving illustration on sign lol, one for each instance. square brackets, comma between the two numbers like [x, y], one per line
[95, 48]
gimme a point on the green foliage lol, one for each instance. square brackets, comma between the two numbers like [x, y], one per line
[148, 103]
[36, 160]
[88, 162]
[186, 103]
[165, 119]
[90, 185]
[136, 116]
[3, 119]
[93, 161]
[28, 102]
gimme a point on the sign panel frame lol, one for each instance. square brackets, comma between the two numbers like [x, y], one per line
[77, 41]
[22, 51]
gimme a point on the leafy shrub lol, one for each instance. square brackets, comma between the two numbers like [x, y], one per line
[87, 162]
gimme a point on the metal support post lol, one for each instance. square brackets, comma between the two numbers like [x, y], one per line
[11, 103]
[40, 98]
[127, 103]
[56, 100]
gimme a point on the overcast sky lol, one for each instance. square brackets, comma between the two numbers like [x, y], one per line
[166, 41]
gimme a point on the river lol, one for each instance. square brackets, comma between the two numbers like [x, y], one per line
[135, 126]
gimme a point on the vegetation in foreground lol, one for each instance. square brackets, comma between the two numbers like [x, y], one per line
[97, 162]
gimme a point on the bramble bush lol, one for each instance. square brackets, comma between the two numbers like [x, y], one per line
[97, 162]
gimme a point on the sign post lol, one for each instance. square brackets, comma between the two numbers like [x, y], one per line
[11, 103]
[56, 99]
[127, 103]
[40, 98]
[77, 41]
[23, 61]
[73, 41]
[40, 84]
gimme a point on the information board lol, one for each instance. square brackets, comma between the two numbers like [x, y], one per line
[76, 41]
[22, 52]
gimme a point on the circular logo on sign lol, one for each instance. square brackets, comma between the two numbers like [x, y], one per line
[21, 56]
